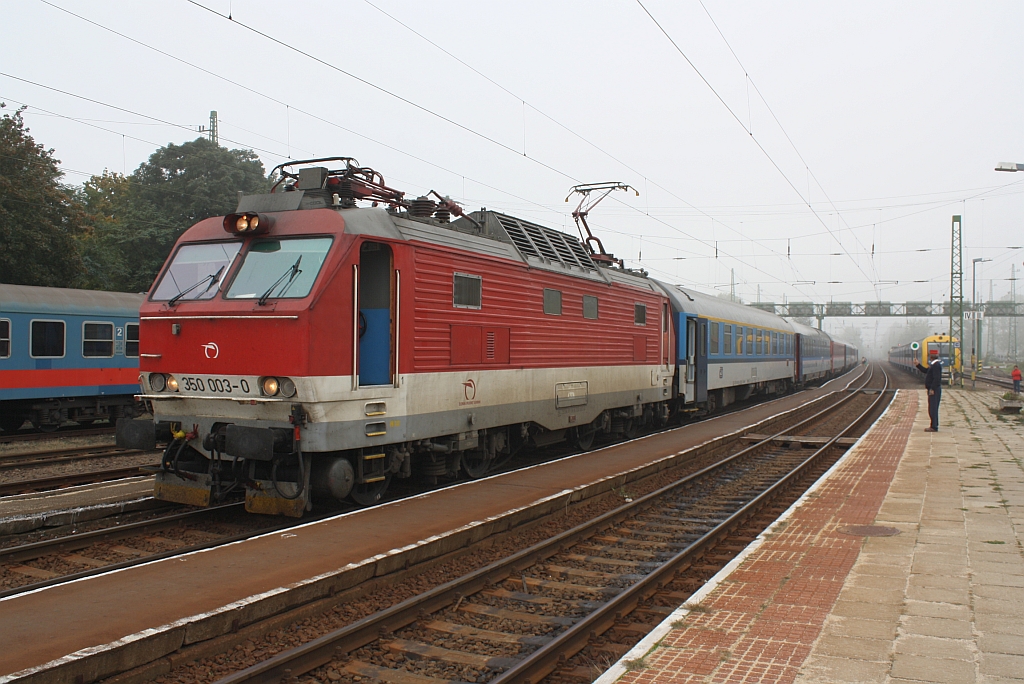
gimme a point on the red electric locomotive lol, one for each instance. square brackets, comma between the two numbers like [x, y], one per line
[306, 347]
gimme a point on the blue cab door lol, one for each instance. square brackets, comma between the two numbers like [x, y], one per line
[375, 314]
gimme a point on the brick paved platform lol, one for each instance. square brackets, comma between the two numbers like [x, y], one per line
[941, 602]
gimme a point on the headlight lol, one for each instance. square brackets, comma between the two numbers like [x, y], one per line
[287, 387]
[158, 382]
[270, 386]
[172, 384]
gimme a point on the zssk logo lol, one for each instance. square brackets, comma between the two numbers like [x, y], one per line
[469, 388]
[211, 350]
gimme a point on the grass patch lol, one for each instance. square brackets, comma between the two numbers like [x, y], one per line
[993, 541]
[635, 664]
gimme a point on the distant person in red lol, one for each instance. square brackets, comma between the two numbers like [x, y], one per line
[933, 383]
[1015, 376]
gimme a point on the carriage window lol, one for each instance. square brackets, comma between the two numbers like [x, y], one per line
[640, 314]
[589, 307]
[775, 343]
[750, 341]
[131, 340]
[552, 302]
[728, 339]
[5, 339]
[201, 266]
[47, 339]
[715, 338]
[739, 340]
[467, 291]
[285, 268]
[98, 340]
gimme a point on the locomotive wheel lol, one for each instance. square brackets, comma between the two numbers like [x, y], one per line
[476, 463]
[631, 428]
[371, 493]
[583, 437]
[10, 424]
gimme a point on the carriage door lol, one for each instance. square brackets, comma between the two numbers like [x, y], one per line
[702, 360]
[691, 350]
[374, 314]
[666, 338]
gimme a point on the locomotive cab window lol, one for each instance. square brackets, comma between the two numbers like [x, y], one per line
[640, 314]
[131, 340]
[5, 339]
[47, 339]
[467, 291]
[97, 340]
[199, 266]
[280, 269]
[590, 307]
[552, 302]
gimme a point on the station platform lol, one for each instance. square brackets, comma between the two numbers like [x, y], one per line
[819, 598]
[81, 631]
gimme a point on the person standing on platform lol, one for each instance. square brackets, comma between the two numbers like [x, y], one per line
[1015, 376]
[933, 383]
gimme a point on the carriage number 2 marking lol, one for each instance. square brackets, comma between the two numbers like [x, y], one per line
[222, 385]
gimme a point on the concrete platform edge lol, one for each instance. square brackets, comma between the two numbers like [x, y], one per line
[648, 643]
[135, 650]
[20, 524]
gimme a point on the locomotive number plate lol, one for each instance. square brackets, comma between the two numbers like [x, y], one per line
[226, 385]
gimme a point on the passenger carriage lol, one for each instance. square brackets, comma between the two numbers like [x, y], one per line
[67, 355]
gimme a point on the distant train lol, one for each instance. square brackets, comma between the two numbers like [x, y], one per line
[921, 353]
[305, 347]
[67, 355]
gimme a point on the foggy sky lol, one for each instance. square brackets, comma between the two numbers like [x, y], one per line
[899, 110]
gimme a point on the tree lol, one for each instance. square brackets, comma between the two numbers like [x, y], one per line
[129, 239]
[193, 181]
[136, 220]
[39, 217]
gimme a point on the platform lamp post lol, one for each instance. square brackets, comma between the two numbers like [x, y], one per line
[975, 343]
[1012, 167]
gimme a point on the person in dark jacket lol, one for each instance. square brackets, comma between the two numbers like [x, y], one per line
[933, 383]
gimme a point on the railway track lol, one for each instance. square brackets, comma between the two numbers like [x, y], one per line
[598, 586]
[1000, 382]
[58, 456]
[64, 559]
[44, 484]
[63, 432]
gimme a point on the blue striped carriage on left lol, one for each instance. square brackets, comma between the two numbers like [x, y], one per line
[67, 355]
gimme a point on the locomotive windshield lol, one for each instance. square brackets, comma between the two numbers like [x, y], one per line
[196, 266]
[280, 268]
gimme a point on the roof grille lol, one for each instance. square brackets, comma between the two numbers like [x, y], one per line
[539, 242]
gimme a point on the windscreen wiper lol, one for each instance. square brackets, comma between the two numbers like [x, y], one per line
[292, 272]
[214, 278]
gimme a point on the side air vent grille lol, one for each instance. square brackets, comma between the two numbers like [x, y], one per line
[550, 245]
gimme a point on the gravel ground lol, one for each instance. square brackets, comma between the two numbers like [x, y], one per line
[85, 465]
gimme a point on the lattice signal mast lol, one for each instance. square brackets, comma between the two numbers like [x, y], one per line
[956, 293]
[213, 128]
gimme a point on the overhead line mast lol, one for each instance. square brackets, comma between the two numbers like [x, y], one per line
[956, 296]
